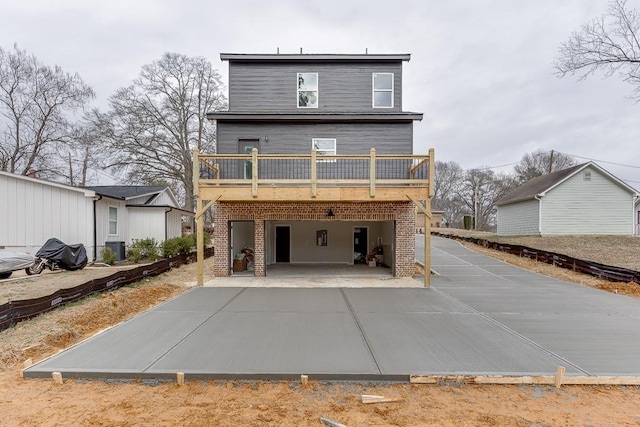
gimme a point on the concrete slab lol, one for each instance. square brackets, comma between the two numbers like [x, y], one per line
[484, 318]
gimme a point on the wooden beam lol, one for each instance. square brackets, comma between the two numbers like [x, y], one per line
[372, 173]
[314, 174]
[559, 376]
[302, 193]
[57, 377]
[180, 378]
[254, 172]
[426, 210]
[205, 208]
[200, 243]
[369, 398]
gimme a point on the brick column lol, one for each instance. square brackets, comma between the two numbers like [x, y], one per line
[221, 242]
[405, 241]
[258, 236]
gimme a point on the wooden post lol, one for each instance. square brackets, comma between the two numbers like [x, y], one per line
[254, 172]
[314, 174]
[559, 376]
[57, 377]
[200, 241]
[372, 173]
[427, 220]
[304, 379]
[180, 378]
[199, 219]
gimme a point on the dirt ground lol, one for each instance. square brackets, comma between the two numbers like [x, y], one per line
[229, 403]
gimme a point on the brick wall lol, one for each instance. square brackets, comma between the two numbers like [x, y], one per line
[400, 212]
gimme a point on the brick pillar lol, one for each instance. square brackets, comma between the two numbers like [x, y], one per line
[405, 241]
[221, 242]
[258, 236]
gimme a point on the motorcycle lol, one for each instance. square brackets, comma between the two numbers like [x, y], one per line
[56, 255]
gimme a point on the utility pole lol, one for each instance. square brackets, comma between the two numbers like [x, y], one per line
[550, 162]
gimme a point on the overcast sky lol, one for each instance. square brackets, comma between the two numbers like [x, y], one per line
[480, 70]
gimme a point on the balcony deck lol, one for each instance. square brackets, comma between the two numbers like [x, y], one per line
[313, 177]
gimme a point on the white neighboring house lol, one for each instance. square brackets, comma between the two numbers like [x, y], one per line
[583, 199]
[127, 213]
[33, 210]
[637, 215]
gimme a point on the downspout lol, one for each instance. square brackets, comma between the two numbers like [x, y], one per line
[635, 223]
[95, 229]
[166, 224]
[538, 197]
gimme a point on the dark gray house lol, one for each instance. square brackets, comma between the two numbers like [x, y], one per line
[315, 162]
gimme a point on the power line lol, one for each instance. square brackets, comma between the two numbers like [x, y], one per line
[601, 161]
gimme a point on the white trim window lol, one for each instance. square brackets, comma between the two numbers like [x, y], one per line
[382, 90]
[307, 90]
[324, 147]
[113, 221]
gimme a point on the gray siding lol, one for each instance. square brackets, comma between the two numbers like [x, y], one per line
[519, 219]
[598, 206]
[351, 138]
[342, 87]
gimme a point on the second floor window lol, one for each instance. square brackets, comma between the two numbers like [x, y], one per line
[307, 90]
[113, 221]
[383, 90]
[324, 147]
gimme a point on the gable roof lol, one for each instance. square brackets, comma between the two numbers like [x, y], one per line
[540, 185]
[124, 192]
[87, 191]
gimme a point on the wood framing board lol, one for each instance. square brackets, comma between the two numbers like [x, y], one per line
[537, 380]
[334, 194]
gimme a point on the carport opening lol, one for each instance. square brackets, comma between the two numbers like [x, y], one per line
[329, 248]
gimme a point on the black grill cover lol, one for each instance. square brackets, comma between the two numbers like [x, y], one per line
[69, 257]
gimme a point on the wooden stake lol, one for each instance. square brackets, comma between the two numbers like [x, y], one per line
[559, 376]
[57, 377]
[304, 379]
[27, 363]
[180, 378]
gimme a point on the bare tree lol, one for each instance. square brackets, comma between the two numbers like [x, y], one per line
[609, 44]
[153, 124]
[35, 104]
[540, 163]
[448, 178]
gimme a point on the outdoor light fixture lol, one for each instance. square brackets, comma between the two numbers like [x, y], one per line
[330, 214]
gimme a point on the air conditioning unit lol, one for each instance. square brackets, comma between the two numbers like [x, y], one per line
[118, 248]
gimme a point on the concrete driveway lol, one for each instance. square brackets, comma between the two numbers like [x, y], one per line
[480, 317]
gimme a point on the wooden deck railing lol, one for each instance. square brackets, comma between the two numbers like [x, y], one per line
[313, 170]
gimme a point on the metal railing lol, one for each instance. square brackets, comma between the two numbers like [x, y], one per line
[314, 170]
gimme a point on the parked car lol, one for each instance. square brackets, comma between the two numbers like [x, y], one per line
[13, 261]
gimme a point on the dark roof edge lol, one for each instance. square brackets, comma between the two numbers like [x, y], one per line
[247, 116]
[186, 212]
[288, 57]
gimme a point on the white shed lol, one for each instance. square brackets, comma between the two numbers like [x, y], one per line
[127, 213]
[583, 199]
[33, 210]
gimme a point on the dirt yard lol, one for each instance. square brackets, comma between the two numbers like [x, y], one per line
[229, 403]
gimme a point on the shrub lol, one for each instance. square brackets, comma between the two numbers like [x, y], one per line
[108, 255]
[143, 249]
[134, 254]
[171, 247]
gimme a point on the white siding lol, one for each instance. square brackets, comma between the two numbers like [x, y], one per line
[174, 224]
[519, 219]
[102, 222]
[33, 211]
[146, 223]
[597, 206]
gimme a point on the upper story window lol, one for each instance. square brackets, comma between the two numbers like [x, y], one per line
[113, 220]
[324, 147]
[307, 90]
[383, 90]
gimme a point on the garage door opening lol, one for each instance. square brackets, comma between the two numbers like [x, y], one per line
[241, 248]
